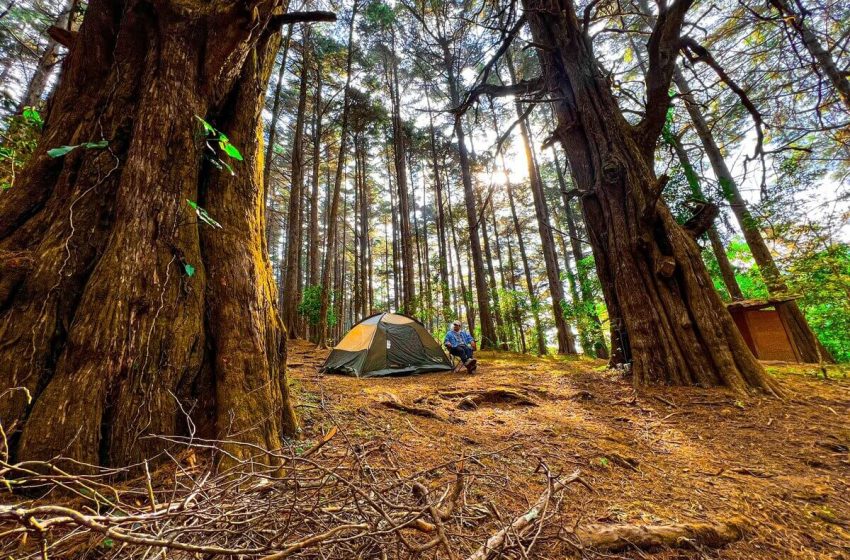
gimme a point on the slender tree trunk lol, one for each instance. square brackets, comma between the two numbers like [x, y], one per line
[46, 62]
[678, 329]
[726, 270]
[566, 344]
[395, 241]
[465, 294]
[131, 303]
[488, 330]
[532, 294]
[440, 219]
[365, 202]
[507, 328]
[273, 227]
[494, 288]
[798, 328]
[428, 305]
[518, 320]
[592, 323]
[340, 165]
[357, 234]
[417, 240]
[291, 296]
[315, 256]
[822, 56]
[408, 294]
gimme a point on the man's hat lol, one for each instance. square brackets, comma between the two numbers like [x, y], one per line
[456, 323]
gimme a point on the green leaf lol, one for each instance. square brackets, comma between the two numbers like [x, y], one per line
[208, 128]
[32, 115]
[190, 270]
[61, 151]
[107, 543]
[99, 145]
[231, 150]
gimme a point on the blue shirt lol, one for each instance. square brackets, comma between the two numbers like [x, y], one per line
[458, 338]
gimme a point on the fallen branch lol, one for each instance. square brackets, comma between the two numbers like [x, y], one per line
[495, 543]
[616, 538]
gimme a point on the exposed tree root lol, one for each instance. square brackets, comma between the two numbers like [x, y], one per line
[496, 395]
[615, 538]
[392, 401]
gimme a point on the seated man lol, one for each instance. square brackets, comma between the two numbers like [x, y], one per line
[461, 344]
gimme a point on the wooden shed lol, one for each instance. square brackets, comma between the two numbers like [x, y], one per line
[763, 328]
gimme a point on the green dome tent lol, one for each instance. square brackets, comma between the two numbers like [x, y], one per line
[386, 344]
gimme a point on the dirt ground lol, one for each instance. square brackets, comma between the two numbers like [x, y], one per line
[653, 456]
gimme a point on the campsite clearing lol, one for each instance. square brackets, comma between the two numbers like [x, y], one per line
[664, 455]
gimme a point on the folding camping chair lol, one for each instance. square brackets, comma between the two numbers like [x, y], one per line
[456, 362]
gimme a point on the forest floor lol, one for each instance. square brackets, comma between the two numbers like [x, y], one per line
[654, 456]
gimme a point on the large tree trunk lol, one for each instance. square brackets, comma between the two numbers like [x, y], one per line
[798, 328]
[132, 304]
[651, 268]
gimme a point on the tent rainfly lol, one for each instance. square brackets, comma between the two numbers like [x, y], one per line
[386, 344]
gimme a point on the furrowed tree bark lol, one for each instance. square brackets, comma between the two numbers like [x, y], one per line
[334, 209]
[651, 269]
[124, 312]
[726, 270]
[798, 328]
